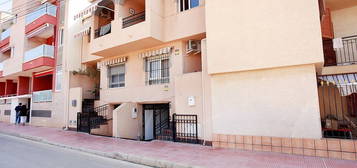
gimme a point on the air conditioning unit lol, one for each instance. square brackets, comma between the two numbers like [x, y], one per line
[193, 46]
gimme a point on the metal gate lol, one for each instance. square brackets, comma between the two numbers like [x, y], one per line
[161, 120]
[93, 119]
[83, 122]
[185, 128]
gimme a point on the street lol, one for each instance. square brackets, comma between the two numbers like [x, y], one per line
[15, 153]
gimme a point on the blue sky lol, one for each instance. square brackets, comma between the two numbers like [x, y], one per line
[6, 6]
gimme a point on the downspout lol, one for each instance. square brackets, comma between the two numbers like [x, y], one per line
[65, 71]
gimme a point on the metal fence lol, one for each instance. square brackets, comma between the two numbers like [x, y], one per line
[185, 128]
[93, 118]
[338, 105]
[347, 55]
[133, 19]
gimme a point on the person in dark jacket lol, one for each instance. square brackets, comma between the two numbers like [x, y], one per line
[23, 114]
[18, 110]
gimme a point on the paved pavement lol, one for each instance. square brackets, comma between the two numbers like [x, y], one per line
[16, 152]
[168, 154]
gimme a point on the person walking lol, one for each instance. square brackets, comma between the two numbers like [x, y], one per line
[18, 110]
[23, 114]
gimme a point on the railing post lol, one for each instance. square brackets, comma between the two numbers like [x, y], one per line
[89, 124]
[174, 127]
[78, 121]
[196, 125]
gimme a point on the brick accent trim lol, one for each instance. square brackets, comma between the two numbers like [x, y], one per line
[329, 148]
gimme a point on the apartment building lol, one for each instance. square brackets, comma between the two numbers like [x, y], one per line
[31, 66]
[266, 76]
[144, 73]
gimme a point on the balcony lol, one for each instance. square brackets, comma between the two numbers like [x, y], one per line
[39, 58]
[41, 21]
[141, 27]
[148, 26]
[5, 39]
[42, 96]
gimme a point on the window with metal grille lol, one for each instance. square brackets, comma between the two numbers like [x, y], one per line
[157, 69]
[187, 4]
[116, 75]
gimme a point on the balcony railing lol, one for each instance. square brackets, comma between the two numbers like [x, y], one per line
[339, 54]
[40, 51]
[45, 9]
[42, 96]
[102, 31]
[348, 54]
[134, 19]
[5, 34]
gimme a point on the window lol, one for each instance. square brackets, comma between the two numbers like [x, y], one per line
[58, 78]
[157, 70]
[188, 4]
[116, 75]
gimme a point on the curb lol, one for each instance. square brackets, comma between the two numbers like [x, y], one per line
[116, 155]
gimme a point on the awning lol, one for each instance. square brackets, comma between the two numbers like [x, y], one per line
[88, 10]
[346, 83]
[84, 32]
[43, 73]
[166, 50]
[40, 30]
[111, 62]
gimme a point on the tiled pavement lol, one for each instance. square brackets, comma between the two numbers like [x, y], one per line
[185, 154]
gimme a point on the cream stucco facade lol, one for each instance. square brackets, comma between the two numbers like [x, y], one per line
[240, 67]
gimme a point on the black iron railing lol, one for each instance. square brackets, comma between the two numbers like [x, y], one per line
[133, 19]
[102, 31]
[341, 54]
[348, 54]
[93, 118]
[185, 128]
[338, 105]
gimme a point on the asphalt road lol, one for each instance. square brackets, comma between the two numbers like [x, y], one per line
[17, 153]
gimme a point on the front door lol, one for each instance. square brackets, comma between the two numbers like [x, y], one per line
[156, 120]
[149, 124]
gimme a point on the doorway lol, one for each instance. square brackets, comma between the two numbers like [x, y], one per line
[156, 118]
[24, 101]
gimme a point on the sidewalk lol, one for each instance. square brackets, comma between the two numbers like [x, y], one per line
[169, 154]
